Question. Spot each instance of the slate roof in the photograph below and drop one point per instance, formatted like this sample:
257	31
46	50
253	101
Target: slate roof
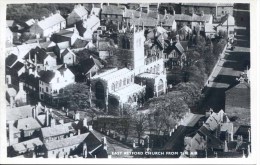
10	23
65	32
80	11
57	130
192	18
86	65
40	55
112	10
10	60
192	119
66	51
63	45
47	44
207	4
46	76
11	92
242	130
79	43
175	46
66	142
19	113
27	124
17	66
29	79
214	141
51	21
27	145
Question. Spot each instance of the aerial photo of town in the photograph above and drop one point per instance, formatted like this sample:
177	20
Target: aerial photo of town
128	80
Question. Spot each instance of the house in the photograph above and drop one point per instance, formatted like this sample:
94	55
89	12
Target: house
85	145
68	57
60	47
90	67
95	11
111	13
216	9
46	27
30	22
21	96
48	46
64	35
21	50
175	55
237	99
29	127
57	132
31	84
52	82
41	59
9	36
79	13
227	23
105	49
214	133
10	96
92	23
28	149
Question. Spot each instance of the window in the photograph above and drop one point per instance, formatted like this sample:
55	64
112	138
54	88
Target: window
124	81
120	83
113	87
58	80
47	89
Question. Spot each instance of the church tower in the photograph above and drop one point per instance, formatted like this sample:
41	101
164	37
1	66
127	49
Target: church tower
131	44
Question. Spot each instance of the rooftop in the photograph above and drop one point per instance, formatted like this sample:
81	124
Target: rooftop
27	145
46	76
27	124
16	113
51	21
128	91
191	120
57	130
66	142
147	75
111	74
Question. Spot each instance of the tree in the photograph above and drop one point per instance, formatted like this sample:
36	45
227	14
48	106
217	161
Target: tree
75	96
140	124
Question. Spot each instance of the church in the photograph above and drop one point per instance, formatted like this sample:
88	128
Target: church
136	74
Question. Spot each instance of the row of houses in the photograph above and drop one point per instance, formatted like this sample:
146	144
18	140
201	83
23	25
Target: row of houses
35	131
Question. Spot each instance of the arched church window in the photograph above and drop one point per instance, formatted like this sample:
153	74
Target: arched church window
120	83
117	84
113	87
160	85
124	81
158	68
127	44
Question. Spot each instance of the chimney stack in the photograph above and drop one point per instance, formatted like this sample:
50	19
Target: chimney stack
47	117
33	112
104	140
85	151
53	122
11	133
20	86
85	122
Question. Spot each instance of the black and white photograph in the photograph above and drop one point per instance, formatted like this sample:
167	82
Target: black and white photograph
127	80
